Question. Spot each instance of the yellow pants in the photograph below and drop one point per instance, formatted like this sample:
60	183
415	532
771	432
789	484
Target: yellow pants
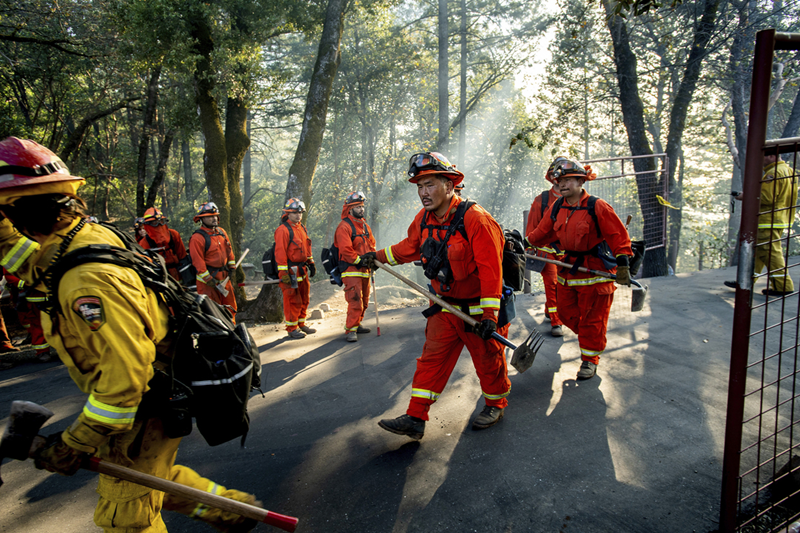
769	253
125	507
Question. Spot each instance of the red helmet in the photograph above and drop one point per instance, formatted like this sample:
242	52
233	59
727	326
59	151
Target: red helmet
27	169
425	163
208	209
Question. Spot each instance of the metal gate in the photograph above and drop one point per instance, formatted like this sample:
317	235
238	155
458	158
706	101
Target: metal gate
761	474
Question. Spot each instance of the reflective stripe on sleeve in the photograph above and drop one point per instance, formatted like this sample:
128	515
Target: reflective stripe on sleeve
283	267
18	254
490	303
202	508
108	414
390	256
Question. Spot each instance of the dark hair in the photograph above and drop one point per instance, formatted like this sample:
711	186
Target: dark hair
39	213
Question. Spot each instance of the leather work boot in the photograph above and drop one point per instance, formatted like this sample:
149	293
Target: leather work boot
352	336
307	329
297	334
588	370
404	425
556	331
731	284
490	416
362	330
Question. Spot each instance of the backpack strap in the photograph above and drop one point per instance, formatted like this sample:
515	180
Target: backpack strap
206	236
545	201
291	239
589	207
456	223
353	232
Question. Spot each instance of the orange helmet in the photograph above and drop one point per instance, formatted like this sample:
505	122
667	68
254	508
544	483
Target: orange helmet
208	209
28	169
425	163
293	205
568	168
354	199
154	217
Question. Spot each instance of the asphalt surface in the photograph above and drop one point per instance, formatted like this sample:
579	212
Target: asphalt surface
637	448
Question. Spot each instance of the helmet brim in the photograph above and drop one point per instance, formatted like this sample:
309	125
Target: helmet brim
456	177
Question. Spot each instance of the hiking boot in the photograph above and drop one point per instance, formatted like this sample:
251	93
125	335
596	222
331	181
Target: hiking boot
556	331
47	357
297	334
26	340
404	425
490	416
307	329
352	336
773	292
362	330
588	370
731	284
8	347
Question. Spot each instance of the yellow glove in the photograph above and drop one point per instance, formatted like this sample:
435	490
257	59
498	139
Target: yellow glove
286	279
623	276
58	457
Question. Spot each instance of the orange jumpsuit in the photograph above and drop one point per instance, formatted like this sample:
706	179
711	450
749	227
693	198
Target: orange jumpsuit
476	264
549	272
27	301
167	242
355	279
289	254
584	299
212	264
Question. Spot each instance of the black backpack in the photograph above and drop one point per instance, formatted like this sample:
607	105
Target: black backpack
331	262
213	365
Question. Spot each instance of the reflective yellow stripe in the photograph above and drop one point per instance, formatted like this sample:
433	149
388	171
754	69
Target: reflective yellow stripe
547	249
584	281
20	284
496	396
290	323
283	267
425	394
35	299
490	303
108	414
354	328
473	310
201	508
355	274
390	256
18	254
552	309
590	353
780	225
358	260
40	346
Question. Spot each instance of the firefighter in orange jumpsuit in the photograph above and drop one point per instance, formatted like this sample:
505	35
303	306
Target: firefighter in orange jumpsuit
107	333
470	277
160	238
295	265
138	228
212	257
548	270
27	302
584	299
354	238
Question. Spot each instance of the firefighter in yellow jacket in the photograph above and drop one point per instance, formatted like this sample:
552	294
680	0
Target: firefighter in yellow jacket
108	330
777	208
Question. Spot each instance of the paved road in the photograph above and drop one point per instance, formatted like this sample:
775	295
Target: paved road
638	448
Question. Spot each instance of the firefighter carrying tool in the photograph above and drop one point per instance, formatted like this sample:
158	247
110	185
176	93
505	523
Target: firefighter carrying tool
161	239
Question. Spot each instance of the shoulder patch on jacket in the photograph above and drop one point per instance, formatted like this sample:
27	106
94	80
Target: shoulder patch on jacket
90	309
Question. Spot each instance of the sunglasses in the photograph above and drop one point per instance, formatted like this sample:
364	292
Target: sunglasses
428	161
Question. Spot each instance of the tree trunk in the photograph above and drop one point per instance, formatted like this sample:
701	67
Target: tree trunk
247	164
187	168
462	127
655	263
148	127
237	143
675	219
161	170
444	78
301	174
680	108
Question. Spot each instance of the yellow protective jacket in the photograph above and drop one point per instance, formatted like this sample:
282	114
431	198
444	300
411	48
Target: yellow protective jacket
106	334
778	196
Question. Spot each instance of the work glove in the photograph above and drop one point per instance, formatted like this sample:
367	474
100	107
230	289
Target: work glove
485	328
57	456
368	260
211	282
285	278
623	271
312	269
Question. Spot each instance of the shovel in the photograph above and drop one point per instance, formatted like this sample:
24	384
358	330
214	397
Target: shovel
638	293
524	354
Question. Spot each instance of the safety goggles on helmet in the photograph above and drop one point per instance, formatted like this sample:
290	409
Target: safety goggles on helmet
208	209
567	167
556	161
154	217
355	197
429	161
137	223
53	167
459	187
294	205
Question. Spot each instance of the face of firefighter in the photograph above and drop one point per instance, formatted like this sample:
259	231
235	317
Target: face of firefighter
141	233
210	222
769	159
357	211
570	188
294	216
435	194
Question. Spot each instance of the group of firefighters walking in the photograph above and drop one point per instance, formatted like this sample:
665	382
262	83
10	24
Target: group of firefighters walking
105	306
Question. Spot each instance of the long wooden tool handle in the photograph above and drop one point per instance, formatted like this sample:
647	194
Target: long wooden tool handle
455	310
286	523
264	282
582	269
375	296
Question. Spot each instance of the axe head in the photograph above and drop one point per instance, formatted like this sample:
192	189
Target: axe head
24	422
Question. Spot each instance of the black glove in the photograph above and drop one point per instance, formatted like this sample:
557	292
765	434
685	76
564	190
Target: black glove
57	456
485	329
312	269
368	260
